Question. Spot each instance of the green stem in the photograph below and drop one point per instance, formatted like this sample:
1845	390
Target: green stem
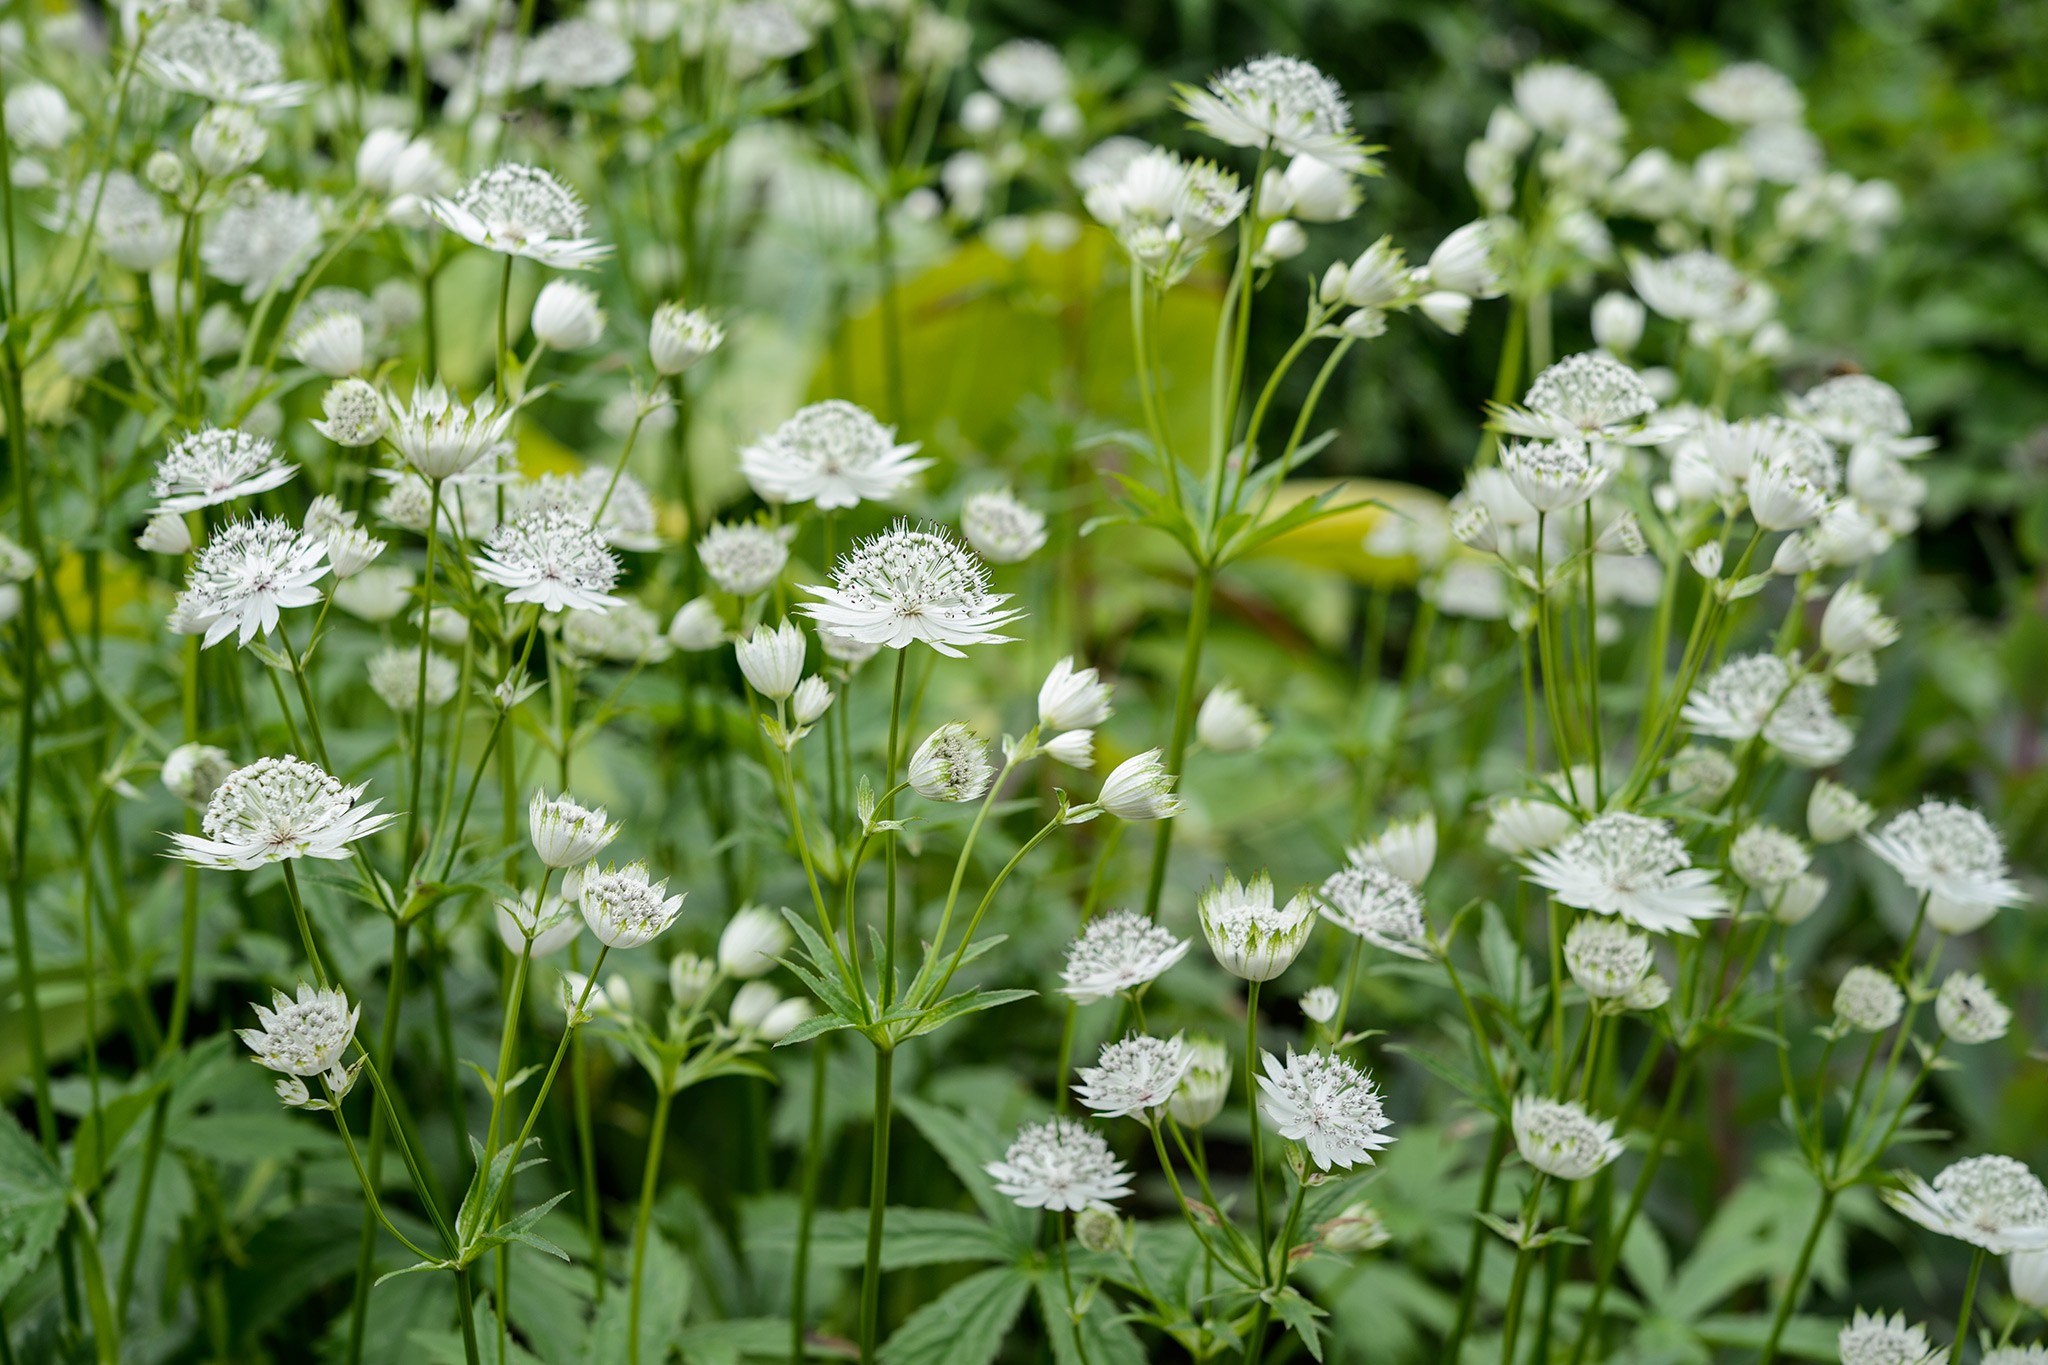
1475	1251
1795	1286
807	1203
1251	1113
419	700
1183	723
650	1176
878	1194
387	1047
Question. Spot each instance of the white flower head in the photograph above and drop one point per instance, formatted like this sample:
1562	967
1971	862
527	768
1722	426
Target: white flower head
626	634
1590	396
329	342
1617	323
1406	848
697	626
1379	907
352	414
440	436
1072	699
165	533
1062	1165
303	1036
1780	499
1868	1000
907	585
566	316
1278	102
1850	409
1855	623
519	210
1524	824
537	933
1562	1140
1700	775
1119	951
566	833
1251	935
396	165
1766	857
1326	1104
1134	1077
679	337
1699	287
196	53
1463	262
265	244
745	557
395	678
1969	1011
1992	1202
751	942
1633	866
1206	1086
1002	528
1739	698
1559	99
1320	1004
834	454
951	765
772	659
1553	476
245	577
553	557
1750	92
194	772
1228	723
624	906
1874	1339
1317	192
1606	958
38	117
1140	788
214	465
811	700
578	53
1027	73
1954	856
279	808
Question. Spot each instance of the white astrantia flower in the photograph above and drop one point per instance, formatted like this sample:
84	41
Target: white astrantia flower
353	414
1119	951
1868	1000
1562	1140
1617	323
279	808
1850	409
1874	1339
214	465
395	678
196	53
1969	1011
227	140
397	165
1560	100
552	558
1698	287
194	772
1406	848
38	117
1739	698
1553	476
1072	699
243	579
306	1035
519	210
1606	958
1134	1077
779	1022
566	833
951	765
1140	788
834	454
1228	723
1002	528
907	585
1251	935
1590	396
1329	1106
165	534
1992	1202
1855	623
679	337
330	343
750	1007
1316	192
1954	856
624	906
1377	906
439	436
1764	856
1026	72
578	53
1075	748
566	316
1805	728
1523	824
690	979
1633	866
811	700
538	934
1463	262
376	594
1699	775
1062	1165
1206	1086
772	659
751	942
1278	102
744	558
132	228
1781	500
626	634
758	32
1792	902
697	626
2028	1272
265	244
1750	92
1320	1004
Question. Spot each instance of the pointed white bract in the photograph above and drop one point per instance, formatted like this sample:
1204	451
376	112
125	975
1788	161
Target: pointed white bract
833	454
1135	1077
279	808
625	907
1119	951
904	586
1062	1165
1560	1139
1329	1106
1993	1202
1632	866
519	210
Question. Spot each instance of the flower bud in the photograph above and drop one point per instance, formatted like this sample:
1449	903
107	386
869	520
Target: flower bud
951	765
1358	1228
166	534
679	337
191	772
1617	323
165	173
564	833
1203	1090
772	659
751	942
566	316
1098	1229
1228	723
697	626
689	979
227	139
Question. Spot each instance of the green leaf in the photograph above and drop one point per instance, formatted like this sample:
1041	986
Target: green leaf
966	1325
967	1147
1299	1314
957	1006
1100	1338
737	1339
32	1202
664	1296
910	1237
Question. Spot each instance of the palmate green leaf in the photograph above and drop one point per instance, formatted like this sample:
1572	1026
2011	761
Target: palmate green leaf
812	1027
957	1006
413	1269
1300	1316
967	1146
966	1325
104	1132
1101	1337
520	1229
820	968
734	1340
664	1300
32	1202
1478	1091
910	1237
